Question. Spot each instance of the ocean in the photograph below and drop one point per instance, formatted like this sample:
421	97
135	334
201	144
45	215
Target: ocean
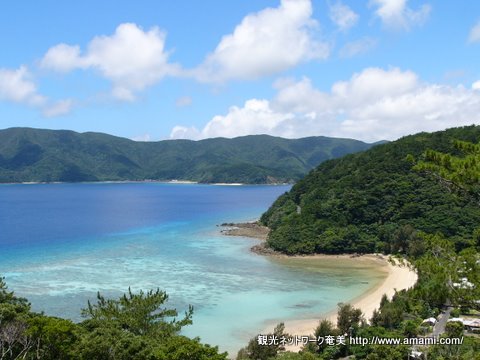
61	243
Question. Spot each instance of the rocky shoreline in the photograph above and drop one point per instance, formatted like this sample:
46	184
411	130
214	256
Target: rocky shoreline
257	231
251	230
248	229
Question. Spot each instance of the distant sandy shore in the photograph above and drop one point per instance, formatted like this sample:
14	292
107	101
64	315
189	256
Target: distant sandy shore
227	184
173	181
104	182
397	277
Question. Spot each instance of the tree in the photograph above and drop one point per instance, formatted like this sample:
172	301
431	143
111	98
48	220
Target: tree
389	315
458	173
133	327
183	348
14	311
54	338
138	327
410	328
9	298
139	314
324	328
258	350
469	350
14	343
111	343
382	352
437	270
348	318
454	329
402	238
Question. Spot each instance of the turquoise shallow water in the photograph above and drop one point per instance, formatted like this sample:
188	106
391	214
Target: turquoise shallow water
61	243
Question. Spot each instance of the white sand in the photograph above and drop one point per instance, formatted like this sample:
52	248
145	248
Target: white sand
180	182
228	184
398	277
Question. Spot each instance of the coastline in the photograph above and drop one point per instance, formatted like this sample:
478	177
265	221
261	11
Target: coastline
398	276
172	181
102	182
247	229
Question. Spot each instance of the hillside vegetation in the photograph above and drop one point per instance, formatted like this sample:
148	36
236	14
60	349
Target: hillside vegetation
28	155
376	200
416	198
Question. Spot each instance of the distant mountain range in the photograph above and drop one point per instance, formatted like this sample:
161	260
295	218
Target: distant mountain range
37	155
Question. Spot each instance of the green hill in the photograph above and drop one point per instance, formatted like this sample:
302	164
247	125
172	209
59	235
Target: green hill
57	155
375	201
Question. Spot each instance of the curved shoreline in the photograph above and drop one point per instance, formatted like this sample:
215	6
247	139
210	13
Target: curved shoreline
399	276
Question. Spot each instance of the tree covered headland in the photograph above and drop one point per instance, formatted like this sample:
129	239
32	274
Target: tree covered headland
416	198
375	201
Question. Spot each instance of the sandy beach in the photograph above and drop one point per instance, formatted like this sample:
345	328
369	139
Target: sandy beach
398	277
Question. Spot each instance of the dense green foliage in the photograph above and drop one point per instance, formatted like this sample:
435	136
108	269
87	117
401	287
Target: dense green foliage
50	155
439	268
426	210
416	197
375	201
460	173
264	351
136	326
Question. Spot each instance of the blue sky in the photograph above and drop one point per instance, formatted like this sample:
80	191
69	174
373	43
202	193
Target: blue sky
153	70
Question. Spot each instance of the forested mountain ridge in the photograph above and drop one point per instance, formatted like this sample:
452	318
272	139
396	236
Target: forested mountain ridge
375	201
37	155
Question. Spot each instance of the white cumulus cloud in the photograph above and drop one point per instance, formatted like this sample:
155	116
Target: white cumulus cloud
396	14
184	132
132	59
63	58
17	86
265	43
474	35
255	117
374	83
342	16
372	105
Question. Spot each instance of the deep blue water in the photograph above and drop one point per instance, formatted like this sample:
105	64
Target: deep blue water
52	213
61	243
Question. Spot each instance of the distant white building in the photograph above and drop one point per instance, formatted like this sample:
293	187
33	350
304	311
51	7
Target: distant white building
456	319
472	325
